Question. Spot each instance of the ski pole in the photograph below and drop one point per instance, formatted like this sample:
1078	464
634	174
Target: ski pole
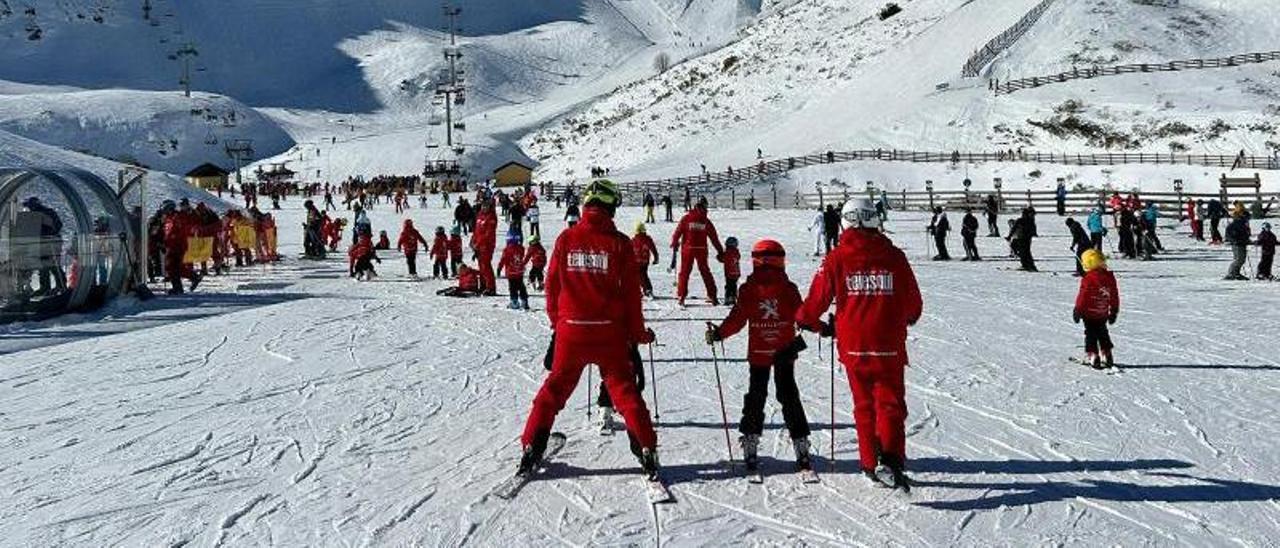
831	321
653	381
724	415
590	387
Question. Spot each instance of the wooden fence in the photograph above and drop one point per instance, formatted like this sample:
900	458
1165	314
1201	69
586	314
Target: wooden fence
1011	86
981	58
726	181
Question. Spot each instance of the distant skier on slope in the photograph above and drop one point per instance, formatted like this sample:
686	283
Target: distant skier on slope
1080	242
593	302
690	240
1097	304
1267	244
732	260
817	227
876	299
969	234
646	253
768	303
408	244
484	241
938	228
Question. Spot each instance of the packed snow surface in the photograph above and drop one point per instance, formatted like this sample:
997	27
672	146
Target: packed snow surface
290	405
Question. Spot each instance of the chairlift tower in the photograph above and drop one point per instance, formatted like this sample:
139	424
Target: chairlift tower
453	91
185	53
240	150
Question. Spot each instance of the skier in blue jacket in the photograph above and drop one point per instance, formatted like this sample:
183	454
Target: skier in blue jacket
1096	230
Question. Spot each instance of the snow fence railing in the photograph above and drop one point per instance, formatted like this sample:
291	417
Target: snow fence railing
983	57
1011	86
725	181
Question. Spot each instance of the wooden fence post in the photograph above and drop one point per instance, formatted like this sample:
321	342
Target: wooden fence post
733	198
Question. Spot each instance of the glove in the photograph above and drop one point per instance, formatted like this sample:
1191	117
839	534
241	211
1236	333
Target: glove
377	259
655	262
719	257
791	352
712	334
647	337
550	355
826	329
1111	320
1075	316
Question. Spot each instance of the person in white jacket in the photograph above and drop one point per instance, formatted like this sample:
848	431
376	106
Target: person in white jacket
819	235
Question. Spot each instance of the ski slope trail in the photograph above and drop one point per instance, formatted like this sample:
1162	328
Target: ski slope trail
344	413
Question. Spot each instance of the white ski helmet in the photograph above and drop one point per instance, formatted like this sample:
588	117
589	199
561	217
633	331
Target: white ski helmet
859	213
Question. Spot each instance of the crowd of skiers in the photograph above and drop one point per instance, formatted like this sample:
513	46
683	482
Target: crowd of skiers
187	243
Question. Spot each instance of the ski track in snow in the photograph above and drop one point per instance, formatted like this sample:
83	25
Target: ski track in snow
379	413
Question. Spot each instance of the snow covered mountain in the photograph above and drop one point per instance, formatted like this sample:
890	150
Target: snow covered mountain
823	75
570	85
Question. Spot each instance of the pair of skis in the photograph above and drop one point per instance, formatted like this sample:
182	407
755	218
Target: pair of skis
656	490
808	477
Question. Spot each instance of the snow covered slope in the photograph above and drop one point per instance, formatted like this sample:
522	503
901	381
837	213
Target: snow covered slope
321	411
160	130
824	75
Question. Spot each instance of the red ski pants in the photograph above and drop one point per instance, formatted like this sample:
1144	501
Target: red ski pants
879	410
619	378
487	278
687	258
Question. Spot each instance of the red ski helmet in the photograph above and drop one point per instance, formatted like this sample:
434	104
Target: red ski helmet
769	253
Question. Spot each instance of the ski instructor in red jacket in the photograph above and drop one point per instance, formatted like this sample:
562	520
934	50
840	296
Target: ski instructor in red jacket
876	299
690	238
484	241
593	302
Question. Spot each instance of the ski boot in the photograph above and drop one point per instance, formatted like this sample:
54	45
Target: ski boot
195	281
897	476
649	464
606	420
1109	362
533	454
524	304
750	449
801	445
1093	360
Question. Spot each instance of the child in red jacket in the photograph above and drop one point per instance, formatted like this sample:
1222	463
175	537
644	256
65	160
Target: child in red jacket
360	259
455	250
512	266
1097	305
645	251
537	262
732	270
468	284
768	305
408	243
440	255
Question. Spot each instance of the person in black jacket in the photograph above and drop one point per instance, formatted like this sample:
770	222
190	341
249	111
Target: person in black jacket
666	206
969	233
939	227
993	214
1238	238
1216	212
1267	244
831	226
52	277
1020	236
1080	242
462	215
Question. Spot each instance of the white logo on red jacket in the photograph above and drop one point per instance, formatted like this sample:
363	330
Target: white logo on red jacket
769	309
869	283
588	261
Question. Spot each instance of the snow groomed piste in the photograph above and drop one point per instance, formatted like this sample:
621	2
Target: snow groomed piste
292	405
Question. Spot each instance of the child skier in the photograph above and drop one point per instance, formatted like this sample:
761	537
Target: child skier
768	306
1097	305
408	243
731	259
537	261
360	259
512	264
384	242
468	284
455	250
440	255
646	251
1267	242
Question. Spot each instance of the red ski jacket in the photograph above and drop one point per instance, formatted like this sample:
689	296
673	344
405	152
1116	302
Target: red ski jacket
177	228
440	248
484	239
593	289
455	247
876	298
694	231
768	302
468	279
512	261
644	249
732	264
409	238
1099	297
537	255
